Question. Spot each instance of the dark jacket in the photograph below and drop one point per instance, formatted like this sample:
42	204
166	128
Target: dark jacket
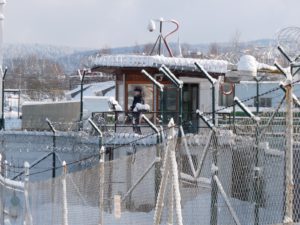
137	99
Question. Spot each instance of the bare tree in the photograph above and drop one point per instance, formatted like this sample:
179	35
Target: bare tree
136	48
185	49
37	75
147	48
236	42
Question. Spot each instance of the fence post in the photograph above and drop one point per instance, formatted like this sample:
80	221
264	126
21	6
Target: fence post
175	178
171	202
257	176
102	152
213	83
5	168
65	199
214	170
1	200
28	217
53	147
214	186
164	179
289	184
102	182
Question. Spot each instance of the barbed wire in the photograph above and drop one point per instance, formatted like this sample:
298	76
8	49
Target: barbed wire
143	137
250	98
95	155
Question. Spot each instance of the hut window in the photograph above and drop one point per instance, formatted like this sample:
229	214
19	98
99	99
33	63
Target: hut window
147	93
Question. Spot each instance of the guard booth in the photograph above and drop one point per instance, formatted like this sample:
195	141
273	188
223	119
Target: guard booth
196	92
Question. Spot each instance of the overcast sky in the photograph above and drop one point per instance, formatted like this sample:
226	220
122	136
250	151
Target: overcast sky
96	23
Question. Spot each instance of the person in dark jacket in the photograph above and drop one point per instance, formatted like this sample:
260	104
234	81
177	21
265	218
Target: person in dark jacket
138	98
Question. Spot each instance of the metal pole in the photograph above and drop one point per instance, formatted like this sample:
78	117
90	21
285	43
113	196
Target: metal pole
179	85
19	99
257	177
54	156
160	36
180	105
166	167
65	199
213	82
214	170
102	183
81	99
98	131
257	96
28	217
234	109
227	201
53	147
2	3
161	89
162	107
289	183
3	89
1	189
2	115
289	179
213	89
102	152
81	105
214	186
140	179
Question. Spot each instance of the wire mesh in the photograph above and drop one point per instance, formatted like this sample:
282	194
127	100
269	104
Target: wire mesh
83	193
250	161
12	205
232	174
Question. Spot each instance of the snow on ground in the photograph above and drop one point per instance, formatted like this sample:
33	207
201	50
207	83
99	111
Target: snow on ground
111	93
13	124
193	211
12	113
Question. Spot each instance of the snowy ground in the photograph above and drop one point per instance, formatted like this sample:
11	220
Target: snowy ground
193	211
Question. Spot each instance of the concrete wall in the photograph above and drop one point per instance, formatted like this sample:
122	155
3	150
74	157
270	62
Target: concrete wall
35	114
19	146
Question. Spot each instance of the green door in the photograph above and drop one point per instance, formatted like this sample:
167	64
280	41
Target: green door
190	105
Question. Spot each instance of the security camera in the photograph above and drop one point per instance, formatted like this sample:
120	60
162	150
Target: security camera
151	26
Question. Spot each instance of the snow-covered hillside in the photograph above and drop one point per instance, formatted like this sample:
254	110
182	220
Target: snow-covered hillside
70	59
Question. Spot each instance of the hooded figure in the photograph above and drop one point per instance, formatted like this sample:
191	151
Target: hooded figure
138	98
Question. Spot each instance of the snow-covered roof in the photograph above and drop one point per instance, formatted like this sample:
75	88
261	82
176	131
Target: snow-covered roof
214	66
94	89
47	102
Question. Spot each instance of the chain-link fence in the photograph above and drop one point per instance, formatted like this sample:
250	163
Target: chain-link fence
225	175
241	172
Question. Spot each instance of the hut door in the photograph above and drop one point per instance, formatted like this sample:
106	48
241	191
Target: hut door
170	103
190	105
